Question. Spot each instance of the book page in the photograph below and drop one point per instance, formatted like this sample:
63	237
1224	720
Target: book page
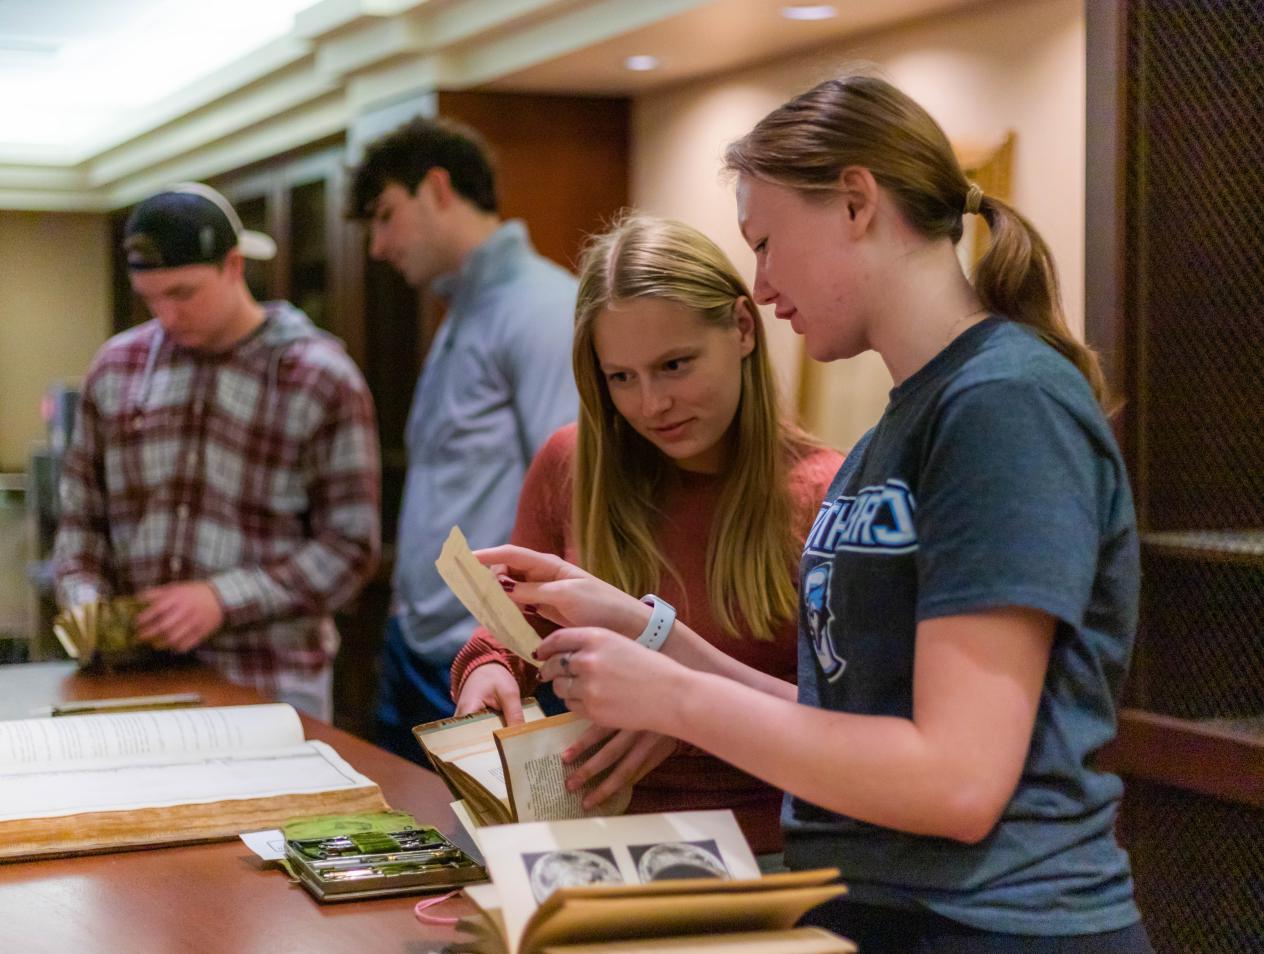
70	788
447	735
532	756
527	862
482	765
129	738
476	587
691	911
793	941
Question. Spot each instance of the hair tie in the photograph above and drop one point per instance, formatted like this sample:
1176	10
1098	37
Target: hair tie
420	910
974	198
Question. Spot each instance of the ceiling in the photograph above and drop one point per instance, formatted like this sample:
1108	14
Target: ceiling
76	76
102	101
709	38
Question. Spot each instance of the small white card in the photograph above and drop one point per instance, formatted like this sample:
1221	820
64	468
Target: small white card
268	845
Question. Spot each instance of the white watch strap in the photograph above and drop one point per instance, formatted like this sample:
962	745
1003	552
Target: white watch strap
661	622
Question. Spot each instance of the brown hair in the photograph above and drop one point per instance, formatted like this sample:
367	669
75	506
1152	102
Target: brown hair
619	474
862	120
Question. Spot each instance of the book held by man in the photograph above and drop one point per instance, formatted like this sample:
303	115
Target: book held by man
640	883
130	779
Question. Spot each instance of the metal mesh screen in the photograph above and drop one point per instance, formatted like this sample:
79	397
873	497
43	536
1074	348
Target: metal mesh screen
1196	246
1197	864
1194	194
1201	654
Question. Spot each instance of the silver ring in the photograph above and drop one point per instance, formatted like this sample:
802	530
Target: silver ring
565	662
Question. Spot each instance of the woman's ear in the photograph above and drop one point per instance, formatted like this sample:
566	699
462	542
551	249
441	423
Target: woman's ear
858	191
745	317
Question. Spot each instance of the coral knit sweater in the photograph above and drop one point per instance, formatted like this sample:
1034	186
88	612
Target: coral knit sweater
689	779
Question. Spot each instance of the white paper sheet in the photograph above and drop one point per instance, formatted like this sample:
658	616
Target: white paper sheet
134	737
70	789
268	844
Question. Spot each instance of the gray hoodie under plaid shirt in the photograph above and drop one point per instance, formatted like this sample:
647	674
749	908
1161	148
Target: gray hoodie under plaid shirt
255	470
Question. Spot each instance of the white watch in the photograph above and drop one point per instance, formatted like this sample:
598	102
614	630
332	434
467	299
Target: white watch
661	622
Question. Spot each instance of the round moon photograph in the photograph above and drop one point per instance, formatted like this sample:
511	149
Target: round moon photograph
564	869
679	859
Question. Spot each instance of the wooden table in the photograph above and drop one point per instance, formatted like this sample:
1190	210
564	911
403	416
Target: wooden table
210	897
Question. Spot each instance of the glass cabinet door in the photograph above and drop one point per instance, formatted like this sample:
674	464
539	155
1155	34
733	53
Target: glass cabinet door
309	259
260	276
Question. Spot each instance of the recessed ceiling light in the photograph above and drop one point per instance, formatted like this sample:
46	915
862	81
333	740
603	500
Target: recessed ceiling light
641	62
809	11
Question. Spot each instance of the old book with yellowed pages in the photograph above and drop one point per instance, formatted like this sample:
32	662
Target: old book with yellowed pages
89	783
512	773
675	881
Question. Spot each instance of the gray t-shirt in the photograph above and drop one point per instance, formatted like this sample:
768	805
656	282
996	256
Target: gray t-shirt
991	480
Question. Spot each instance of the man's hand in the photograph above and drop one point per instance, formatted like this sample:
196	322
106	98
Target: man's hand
179	616
491	686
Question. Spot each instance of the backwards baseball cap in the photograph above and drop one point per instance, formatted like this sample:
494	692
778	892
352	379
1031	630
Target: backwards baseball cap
188	224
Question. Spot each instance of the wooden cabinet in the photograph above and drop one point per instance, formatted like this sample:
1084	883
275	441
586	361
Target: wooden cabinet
1174	264
299	200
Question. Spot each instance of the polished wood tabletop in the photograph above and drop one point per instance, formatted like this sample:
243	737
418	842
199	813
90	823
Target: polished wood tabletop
203	898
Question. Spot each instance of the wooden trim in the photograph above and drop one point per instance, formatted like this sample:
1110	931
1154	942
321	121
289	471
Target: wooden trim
1108	326
1210	757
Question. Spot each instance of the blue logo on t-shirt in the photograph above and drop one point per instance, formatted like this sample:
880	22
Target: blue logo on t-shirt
816	589
876	520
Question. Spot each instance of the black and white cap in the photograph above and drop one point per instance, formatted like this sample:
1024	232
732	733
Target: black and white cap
188	224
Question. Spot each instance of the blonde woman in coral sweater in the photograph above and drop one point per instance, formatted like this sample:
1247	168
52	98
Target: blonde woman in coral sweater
681	479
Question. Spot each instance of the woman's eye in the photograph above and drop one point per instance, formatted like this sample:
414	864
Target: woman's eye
760	246
617	377
676	364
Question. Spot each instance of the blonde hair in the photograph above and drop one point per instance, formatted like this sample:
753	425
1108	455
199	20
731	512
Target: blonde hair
861	120
619	475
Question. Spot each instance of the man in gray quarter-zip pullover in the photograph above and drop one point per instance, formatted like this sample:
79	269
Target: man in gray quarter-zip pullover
496	383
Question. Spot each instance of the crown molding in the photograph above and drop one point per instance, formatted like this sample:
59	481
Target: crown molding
342	59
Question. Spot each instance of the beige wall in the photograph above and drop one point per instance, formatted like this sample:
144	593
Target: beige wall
1017	64
54	314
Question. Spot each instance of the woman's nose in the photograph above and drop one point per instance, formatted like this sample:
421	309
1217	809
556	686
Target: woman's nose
654	400
762	289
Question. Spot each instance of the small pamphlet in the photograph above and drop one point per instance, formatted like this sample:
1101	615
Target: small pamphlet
476	587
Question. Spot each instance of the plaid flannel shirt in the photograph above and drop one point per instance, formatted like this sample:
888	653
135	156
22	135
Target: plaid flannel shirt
255	470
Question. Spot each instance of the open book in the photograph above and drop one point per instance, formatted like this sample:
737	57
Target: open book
511	773
104	782
640	883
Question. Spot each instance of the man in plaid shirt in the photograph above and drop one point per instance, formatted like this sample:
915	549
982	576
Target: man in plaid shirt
224	464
